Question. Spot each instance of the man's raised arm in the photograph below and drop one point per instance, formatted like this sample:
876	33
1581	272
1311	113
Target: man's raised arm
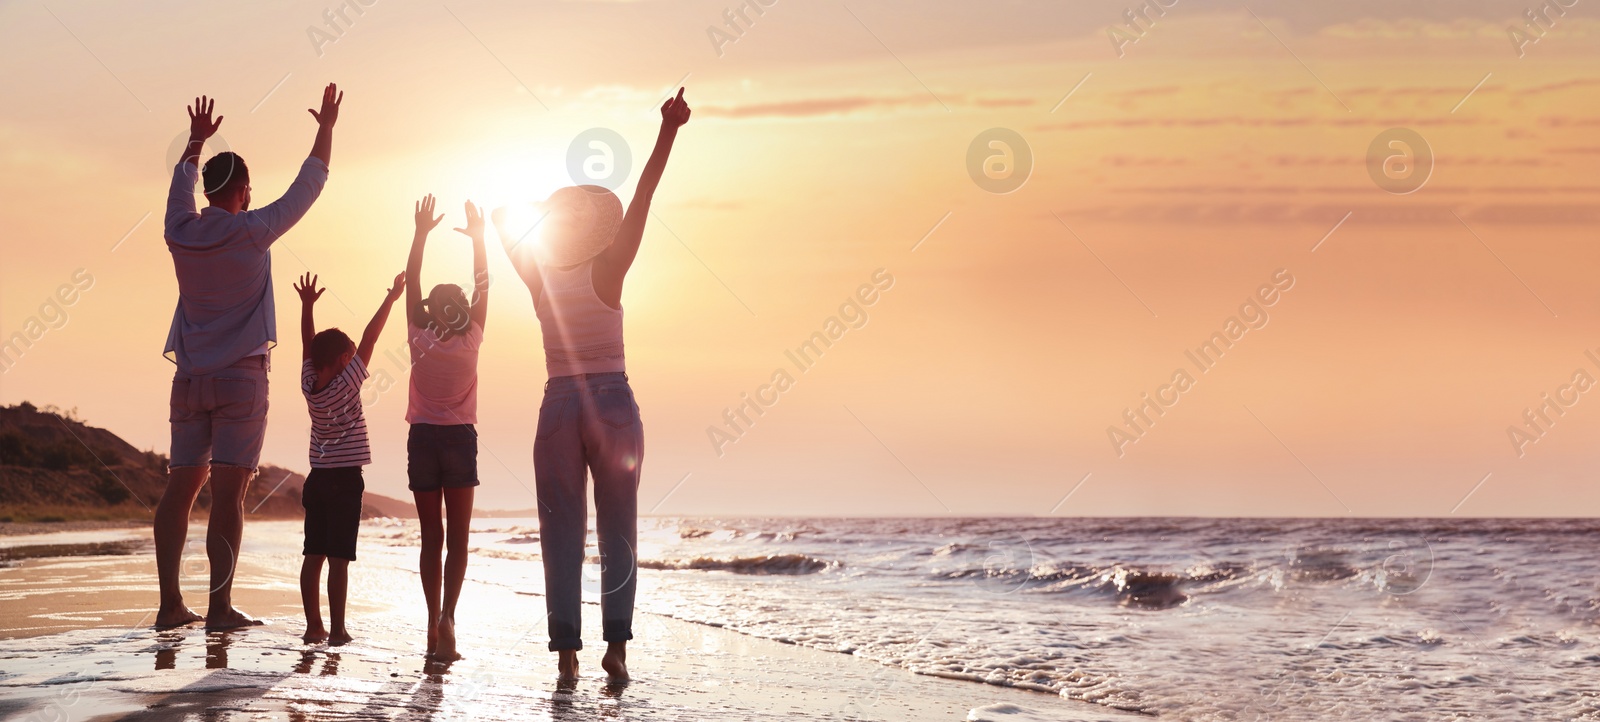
322	147
277	217
180	197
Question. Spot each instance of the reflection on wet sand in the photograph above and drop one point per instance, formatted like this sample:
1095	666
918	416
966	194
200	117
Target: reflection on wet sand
217	644
429	694
308	659
167	642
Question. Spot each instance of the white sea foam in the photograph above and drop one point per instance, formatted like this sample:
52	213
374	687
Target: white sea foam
1006	712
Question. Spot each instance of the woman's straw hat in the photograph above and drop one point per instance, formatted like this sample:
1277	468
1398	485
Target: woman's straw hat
579	223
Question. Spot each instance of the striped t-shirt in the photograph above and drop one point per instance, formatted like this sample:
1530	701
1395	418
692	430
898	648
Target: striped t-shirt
338	427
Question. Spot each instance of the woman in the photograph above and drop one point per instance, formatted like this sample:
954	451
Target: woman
588	421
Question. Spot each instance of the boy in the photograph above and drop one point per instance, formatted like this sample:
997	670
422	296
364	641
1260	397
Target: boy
331	377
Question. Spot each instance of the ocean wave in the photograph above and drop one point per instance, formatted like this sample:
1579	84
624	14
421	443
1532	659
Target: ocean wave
787	564
512	530
1131	586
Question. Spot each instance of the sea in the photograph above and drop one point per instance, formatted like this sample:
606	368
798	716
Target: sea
1178	618
1173	618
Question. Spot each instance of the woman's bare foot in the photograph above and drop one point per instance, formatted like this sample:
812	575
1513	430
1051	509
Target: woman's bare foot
567	664
615	663
169	618
230	619
445	649
339	637
314	636
433	638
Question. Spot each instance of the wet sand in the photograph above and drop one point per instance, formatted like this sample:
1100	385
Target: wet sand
77	645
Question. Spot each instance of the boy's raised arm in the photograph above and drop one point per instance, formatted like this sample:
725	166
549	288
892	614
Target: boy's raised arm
425	221
309	293
619	255
369	337
480	264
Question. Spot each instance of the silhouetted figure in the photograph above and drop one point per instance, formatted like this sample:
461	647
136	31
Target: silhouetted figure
588	421
222	334
332	368
444	332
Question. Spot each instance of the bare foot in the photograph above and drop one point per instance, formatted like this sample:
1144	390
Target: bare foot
230	619
314	636
433	638
169	618
567	665
445	650
339	637
615	663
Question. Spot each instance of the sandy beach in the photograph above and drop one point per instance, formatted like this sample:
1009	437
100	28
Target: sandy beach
77	646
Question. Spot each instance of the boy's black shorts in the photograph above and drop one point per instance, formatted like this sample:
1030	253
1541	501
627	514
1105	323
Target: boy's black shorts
332	498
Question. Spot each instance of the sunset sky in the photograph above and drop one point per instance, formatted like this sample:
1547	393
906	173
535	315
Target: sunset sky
1168	184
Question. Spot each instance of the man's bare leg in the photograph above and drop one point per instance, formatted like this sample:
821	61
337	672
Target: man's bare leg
224	533
428	560
615	663
458	513
172	532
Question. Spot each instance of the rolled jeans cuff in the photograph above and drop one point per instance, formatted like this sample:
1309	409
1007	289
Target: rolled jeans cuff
617	630
564	636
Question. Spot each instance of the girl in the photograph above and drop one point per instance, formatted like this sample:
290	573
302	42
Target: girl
445	332
588	420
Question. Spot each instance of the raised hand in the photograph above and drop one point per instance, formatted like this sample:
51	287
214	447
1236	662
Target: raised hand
425	219
307	288
331	98
675	112
474	229
201	126
398	288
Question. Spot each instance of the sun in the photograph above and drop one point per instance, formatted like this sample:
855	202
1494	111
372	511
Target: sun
510	182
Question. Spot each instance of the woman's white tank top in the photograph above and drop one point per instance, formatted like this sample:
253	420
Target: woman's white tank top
582	335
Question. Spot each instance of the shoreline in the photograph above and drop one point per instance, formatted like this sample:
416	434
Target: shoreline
32	528
58	626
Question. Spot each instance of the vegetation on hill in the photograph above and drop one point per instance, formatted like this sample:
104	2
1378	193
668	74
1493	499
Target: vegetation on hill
54	467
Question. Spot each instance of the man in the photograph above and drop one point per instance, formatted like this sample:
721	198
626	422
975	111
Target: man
222	332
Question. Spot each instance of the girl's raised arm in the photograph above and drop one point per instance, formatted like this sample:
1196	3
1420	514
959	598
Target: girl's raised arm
480	265
425	223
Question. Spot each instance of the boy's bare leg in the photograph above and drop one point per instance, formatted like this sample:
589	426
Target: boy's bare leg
311	597
428	563
458	510
338	582
224	533
172	532
615	663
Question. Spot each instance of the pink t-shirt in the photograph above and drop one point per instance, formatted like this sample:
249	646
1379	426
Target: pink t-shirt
444	377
